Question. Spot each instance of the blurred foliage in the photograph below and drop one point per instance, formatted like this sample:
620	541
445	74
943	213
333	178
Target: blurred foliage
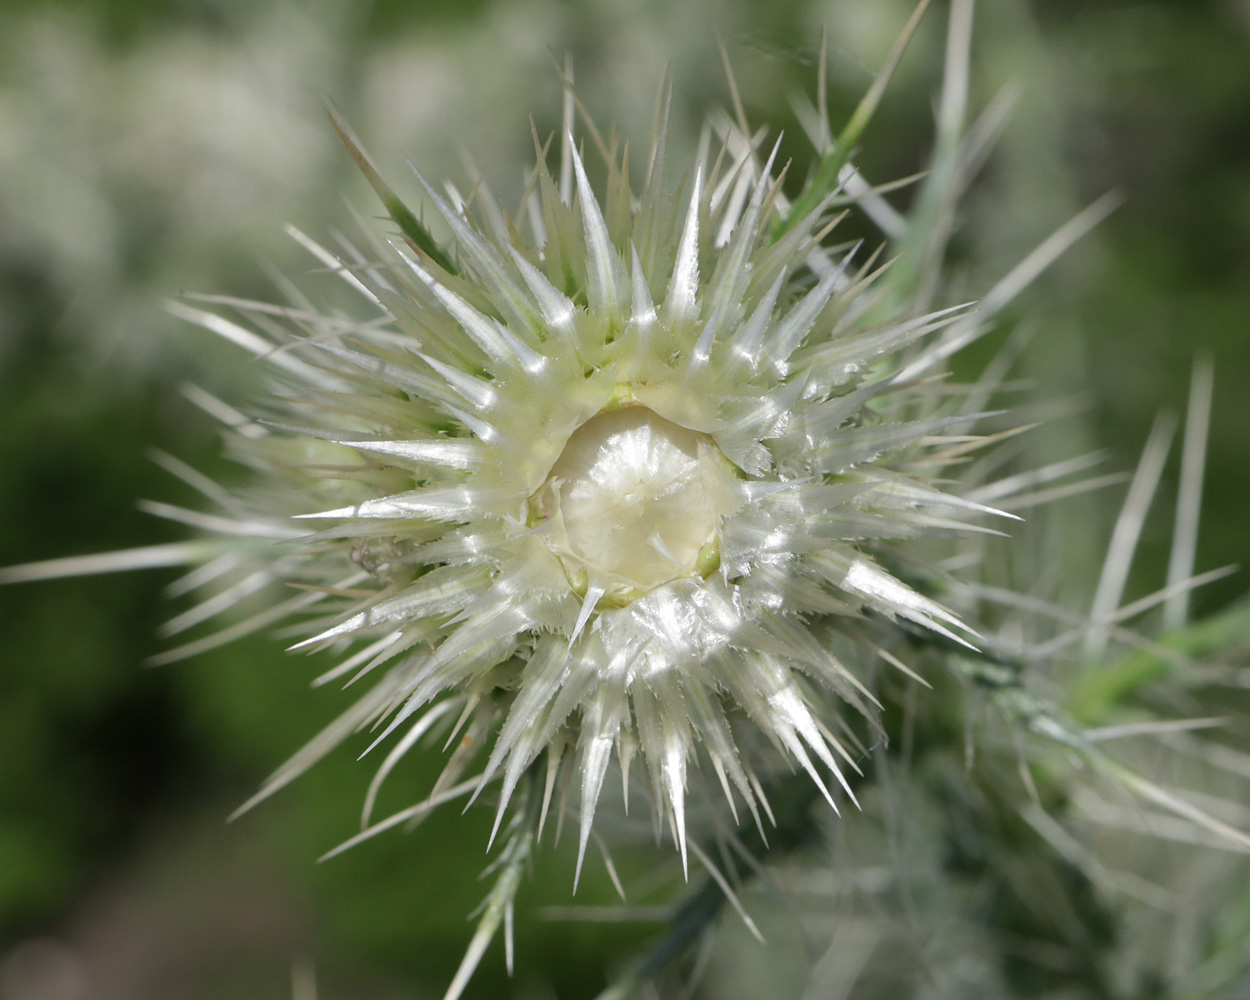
149	147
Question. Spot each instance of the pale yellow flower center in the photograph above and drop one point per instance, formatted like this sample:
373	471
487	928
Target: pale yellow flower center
633	502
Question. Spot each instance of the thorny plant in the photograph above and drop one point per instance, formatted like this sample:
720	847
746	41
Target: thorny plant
665	475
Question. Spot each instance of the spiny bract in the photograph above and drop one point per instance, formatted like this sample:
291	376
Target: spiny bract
607	488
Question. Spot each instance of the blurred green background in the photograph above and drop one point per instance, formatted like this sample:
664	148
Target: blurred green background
151	147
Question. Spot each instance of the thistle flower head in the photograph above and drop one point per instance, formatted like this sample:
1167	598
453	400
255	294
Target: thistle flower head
610	472
607	479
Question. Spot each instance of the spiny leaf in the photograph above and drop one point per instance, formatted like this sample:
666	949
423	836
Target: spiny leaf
831	164
408	223
1099	691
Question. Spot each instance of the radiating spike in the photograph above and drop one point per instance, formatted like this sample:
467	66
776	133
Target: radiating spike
146	557
321	744
709	721
1019	278
557	309
356	659
749	339
659	133
701	353
438	504
480	393
642	317
409	815
681	302
794	744
594	767
438	592
1189	499
419	729
727	889
223	412
789	705
497	342
861	577
255	527
593	592
732	272
223	601
1059	642
455	453
252	343
540	683
798	322
555	756
262	619
199	482
567	152
202	575
601	721
626	749
486	259
675	785
1124	536
332	262
604	276
481	429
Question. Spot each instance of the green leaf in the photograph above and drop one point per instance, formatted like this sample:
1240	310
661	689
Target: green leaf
408	223
826	180
1100	690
